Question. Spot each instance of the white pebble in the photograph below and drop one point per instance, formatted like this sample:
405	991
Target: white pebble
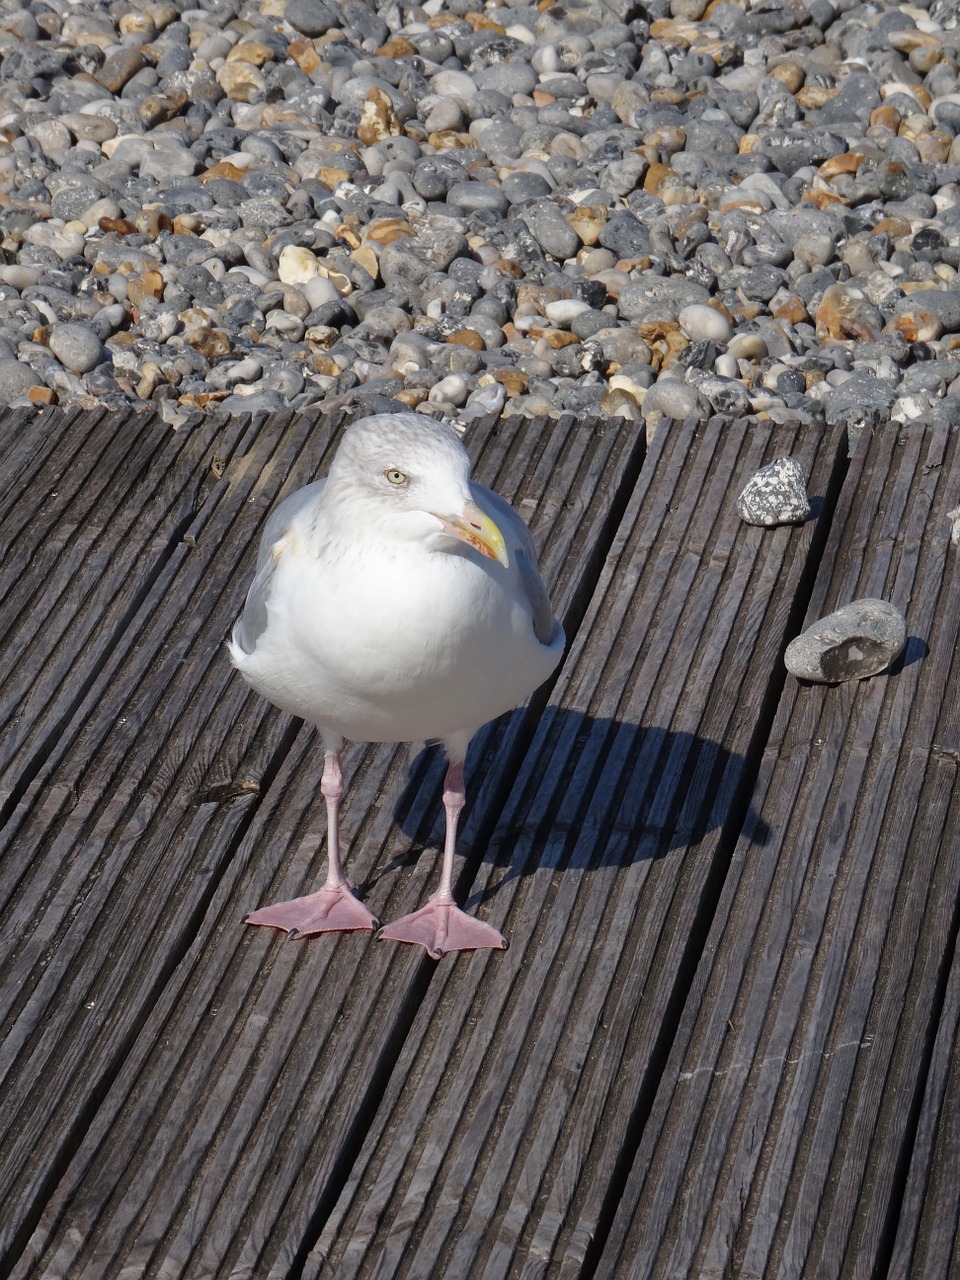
564	310
702	323
453	389
54	235
450	83
297	265
319	291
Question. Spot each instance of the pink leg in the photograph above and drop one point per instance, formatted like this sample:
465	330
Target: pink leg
441	926
332	908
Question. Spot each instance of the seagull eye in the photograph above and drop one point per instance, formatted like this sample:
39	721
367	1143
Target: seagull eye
395	476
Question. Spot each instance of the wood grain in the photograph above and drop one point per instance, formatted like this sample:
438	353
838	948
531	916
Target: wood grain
200	1083
785	1112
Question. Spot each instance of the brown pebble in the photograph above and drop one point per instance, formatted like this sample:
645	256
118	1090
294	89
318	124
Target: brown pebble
383	231
588	222
918	325
148	285
251	51
557	339
620	403
443	139
224	169
509	267
398	47
924	60
326	365
888	116
153	222
850	162
119	226
745	311
911	38
468	338
824	199
411	396
305	55
665	339
158	108
654	178
812	96
678	31
364	257
844	313
378	120
330	176
513	381
934	146
895	227
118	68
241	81
792	309
211	343
790	74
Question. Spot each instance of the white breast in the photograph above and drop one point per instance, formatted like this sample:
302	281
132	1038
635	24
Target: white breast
408	644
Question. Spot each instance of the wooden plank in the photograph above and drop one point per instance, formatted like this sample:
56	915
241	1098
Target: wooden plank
927	1244
28	437
113	849
784	1118
509	1111
253	1066
86	533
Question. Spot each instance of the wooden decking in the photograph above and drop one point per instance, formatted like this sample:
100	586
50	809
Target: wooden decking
725	1040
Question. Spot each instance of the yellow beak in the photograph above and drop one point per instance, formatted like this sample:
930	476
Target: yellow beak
477	530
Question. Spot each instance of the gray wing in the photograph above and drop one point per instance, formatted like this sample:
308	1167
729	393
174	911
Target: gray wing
523	555
253	620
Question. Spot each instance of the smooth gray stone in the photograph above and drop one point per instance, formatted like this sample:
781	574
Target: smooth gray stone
861	639
76	346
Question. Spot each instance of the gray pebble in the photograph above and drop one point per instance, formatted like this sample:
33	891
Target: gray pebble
407	262
858	640
16	379
626	236
471	196
551	230
522	186
465	192
671	398
726	395
76	346
943	303
311	17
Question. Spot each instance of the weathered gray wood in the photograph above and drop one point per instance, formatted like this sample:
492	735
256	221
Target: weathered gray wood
228	1076
510	1109
785	1114
112	849
29	437
927	1245
88	531
770	1024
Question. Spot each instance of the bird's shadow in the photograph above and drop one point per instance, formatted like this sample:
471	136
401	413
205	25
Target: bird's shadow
579	792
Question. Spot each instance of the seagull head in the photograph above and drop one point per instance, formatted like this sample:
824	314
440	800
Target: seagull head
409	476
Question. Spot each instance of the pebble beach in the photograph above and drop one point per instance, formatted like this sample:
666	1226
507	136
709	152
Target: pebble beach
639	211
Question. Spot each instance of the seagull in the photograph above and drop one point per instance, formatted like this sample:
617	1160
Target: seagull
395	601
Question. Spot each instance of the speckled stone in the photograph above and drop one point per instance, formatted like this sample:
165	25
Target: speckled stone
775	495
